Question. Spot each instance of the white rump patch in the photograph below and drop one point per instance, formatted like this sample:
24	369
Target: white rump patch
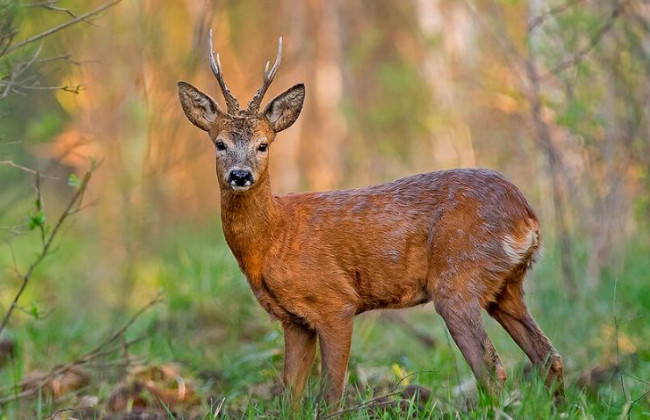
516	250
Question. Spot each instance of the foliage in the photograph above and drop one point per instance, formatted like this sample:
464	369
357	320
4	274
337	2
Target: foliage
553	94
227	348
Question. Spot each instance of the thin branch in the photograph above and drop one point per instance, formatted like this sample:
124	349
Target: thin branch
103	349
62	26
555	166
39	207
157	300
55	415
76	89
37	316
14	267
84	207
632	403
398	318
37	384
512	56
17	166
593	43
47	243
633	376
413	374
17	71
555	11
50	5
618	349
7	39
374	402
64	57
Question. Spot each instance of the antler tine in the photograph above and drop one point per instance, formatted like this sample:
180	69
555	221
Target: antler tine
231	101
269	75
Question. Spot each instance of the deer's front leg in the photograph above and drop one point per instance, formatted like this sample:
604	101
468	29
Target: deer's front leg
299	351
335	338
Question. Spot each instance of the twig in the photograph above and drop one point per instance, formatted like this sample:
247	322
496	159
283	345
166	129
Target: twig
397	318
558	10
73	204
39	207
37	384
633	376
158	299
76	89
555	169
60	411
17	71
10	83
84	207
17	166
618	349
64	25
593	43
38	316
50	5
218	409
500	413
627	413
105	348
7	39
367	404
512	56
413	374
13	254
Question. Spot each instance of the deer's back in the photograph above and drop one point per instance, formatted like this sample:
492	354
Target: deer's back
478	198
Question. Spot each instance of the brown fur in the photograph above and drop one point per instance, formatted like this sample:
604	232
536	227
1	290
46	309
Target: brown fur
463	239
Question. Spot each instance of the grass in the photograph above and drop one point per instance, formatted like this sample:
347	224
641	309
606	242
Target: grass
210	326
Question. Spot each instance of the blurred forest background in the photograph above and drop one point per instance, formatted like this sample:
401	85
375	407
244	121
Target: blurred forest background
552	93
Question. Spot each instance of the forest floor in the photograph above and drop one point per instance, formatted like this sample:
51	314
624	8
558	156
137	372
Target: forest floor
179	335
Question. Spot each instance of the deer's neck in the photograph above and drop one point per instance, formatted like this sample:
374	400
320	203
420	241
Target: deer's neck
249	220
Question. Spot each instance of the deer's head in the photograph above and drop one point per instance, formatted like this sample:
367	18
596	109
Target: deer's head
241	137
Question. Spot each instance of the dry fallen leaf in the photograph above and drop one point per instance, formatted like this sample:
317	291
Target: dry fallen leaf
56	385
418	393
153	387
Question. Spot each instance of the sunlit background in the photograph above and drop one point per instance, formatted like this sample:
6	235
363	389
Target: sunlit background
552	94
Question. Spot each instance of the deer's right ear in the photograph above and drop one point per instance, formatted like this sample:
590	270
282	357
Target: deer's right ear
200	109
285	108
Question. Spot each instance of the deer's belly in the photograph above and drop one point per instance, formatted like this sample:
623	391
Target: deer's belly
392	291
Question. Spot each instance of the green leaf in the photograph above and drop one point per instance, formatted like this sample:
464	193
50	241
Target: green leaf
74	181
36	219
34	310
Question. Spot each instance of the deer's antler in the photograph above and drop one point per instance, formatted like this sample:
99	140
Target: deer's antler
254	104
231	101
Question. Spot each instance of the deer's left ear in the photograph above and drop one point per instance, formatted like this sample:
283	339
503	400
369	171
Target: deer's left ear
283	111
200	109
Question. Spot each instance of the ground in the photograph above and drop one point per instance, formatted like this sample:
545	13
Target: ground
208	351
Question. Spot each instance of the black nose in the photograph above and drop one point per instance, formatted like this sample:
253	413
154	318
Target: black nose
240	178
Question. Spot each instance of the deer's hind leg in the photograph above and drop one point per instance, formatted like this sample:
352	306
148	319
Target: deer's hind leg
509	309
462	315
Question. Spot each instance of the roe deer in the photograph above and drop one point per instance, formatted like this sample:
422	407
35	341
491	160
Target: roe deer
463	239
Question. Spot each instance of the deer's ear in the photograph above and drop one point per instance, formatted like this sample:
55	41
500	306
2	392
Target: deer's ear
283	111
200	109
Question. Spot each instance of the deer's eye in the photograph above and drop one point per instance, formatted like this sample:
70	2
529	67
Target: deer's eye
221	146
263	147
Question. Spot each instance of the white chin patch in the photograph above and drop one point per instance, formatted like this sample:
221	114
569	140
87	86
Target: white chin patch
244	187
